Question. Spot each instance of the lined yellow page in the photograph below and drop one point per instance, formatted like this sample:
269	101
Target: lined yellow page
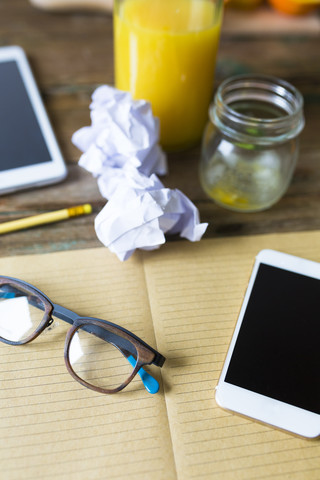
51	427
195	292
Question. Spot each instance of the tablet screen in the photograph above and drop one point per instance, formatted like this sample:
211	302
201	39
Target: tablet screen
277	351
21	139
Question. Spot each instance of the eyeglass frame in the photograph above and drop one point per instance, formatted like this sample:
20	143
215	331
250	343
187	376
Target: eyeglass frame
146	355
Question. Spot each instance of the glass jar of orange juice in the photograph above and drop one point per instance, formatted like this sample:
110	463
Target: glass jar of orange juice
165	53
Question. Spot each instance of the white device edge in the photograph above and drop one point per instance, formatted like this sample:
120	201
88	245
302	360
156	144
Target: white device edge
253	405
38	174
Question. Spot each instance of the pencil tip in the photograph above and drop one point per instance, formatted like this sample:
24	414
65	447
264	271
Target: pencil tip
87	208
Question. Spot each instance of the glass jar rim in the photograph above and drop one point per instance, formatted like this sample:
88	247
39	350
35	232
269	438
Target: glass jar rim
264	88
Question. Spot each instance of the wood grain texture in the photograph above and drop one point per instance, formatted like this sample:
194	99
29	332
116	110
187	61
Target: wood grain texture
67	5
71	53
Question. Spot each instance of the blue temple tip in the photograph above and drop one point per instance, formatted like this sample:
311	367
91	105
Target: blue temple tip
7	295
150	383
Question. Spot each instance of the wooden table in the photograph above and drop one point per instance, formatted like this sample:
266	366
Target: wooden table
71	54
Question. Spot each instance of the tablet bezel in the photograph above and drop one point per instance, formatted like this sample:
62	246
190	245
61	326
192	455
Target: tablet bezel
42	173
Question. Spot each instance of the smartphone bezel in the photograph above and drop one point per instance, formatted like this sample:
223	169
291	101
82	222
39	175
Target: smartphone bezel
254	405
36	174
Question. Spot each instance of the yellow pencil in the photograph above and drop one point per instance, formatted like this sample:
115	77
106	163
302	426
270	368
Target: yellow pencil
44	218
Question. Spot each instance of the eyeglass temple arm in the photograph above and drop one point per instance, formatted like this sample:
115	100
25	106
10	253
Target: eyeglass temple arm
150	383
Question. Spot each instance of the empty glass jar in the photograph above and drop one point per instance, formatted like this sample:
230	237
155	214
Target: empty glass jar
250	145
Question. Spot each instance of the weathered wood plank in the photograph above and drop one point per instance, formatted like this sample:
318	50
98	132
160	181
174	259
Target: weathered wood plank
72	53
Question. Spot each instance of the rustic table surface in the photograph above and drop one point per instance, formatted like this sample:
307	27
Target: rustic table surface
71	53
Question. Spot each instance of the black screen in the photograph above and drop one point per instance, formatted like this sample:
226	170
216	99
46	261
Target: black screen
277	353
21	140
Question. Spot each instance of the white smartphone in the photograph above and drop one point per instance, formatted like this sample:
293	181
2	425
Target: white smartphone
29	153
272	369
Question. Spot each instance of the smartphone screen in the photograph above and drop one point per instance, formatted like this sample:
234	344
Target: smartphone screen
277	352
21	140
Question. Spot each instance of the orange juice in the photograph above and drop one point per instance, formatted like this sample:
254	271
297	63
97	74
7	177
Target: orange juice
165	53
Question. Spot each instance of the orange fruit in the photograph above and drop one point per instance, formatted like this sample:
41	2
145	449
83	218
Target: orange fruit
292	7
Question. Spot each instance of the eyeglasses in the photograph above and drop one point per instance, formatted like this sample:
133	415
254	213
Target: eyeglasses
100	355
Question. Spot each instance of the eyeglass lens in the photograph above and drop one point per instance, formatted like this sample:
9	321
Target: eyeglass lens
99	362
20	313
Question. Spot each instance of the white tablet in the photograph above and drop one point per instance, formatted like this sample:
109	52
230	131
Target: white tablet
29	153
272	369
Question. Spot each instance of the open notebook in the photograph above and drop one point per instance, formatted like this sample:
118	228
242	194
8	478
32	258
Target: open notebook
184	300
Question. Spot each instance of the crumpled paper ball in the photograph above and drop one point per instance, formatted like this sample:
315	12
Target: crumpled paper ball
141	211
122	131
